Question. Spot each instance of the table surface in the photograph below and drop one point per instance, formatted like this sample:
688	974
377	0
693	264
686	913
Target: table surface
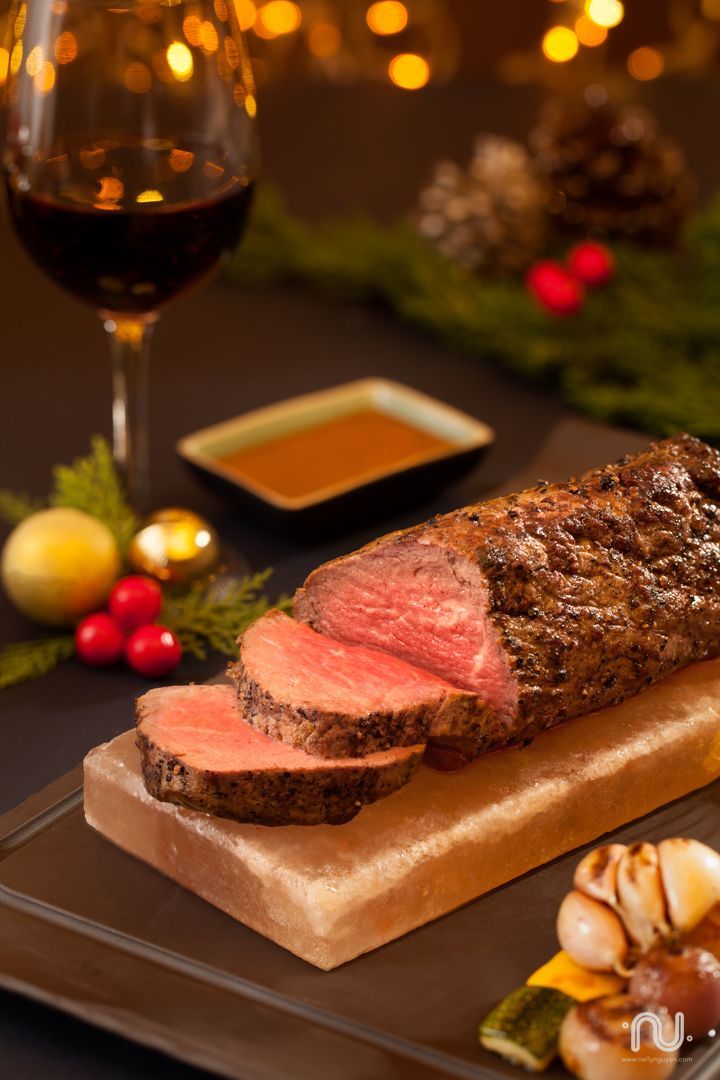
221	352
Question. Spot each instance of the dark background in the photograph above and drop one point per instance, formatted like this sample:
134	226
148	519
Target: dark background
222	351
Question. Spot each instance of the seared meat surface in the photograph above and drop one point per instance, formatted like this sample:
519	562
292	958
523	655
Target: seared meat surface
550	603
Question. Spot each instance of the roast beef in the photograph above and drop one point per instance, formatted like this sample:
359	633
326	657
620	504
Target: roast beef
197	751
550	603
338	700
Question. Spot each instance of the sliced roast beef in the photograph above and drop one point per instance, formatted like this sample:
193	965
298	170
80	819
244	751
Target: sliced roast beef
338	700
547	604
197	751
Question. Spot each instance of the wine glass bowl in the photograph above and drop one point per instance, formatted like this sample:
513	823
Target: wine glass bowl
129	162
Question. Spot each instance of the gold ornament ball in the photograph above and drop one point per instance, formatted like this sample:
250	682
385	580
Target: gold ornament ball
59	565
175	546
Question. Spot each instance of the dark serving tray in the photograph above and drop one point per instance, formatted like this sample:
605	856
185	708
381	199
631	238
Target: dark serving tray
96	933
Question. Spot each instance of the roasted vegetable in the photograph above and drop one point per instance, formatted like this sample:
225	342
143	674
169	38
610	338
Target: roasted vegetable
524	1027
563	973
685	979
592	933
595	1041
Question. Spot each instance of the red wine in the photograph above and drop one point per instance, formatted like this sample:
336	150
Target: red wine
127	224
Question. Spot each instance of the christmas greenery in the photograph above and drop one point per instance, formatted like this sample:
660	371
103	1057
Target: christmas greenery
28	659
645	351
91	484
206	616
211	616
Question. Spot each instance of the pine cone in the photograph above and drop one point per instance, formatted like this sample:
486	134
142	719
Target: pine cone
489	217
609	171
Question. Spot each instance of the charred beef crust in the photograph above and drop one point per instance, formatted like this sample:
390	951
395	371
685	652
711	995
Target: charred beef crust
319	796
332	734
600	586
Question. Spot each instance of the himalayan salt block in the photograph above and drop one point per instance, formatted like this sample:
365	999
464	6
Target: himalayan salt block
329	893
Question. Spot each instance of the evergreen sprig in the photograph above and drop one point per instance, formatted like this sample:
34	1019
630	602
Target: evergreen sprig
644	351
26	660
92	484
212	616
15	506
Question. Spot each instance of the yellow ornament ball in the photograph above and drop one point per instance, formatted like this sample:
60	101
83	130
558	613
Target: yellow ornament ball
176	546
59	565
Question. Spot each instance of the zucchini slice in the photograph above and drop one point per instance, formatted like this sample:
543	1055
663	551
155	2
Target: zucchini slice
524	1027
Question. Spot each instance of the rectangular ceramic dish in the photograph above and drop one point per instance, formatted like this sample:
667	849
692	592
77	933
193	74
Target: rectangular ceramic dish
394	487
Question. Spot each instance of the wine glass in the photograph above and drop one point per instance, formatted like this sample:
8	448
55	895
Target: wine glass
129	162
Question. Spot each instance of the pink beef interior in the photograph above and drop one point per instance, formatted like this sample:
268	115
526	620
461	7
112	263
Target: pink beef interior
422	603
202	726
309	669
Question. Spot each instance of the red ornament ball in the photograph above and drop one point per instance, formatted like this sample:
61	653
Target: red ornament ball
135	601
99	640
593	263
555	288
153	651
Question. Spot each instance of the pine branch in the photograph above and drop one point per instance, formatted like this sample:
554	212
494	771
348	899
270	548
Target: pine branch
92	484
644	351
211	617
29	659
15	506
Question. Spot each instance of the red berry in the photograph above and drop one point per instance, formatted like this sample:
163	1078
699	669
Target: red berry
153	651
593	263
555	288
99	640
135	601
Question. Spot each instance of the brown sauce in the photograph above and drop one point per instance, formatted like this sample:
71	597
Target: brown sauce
349	449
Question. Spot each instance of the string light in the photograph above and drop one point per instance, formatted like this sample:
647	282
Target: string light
180	61
387	17
560	44
606	13
409	71
589	33
646	63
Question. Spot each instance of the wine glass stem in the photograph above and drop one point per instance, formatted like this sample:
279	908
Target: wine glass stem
130	347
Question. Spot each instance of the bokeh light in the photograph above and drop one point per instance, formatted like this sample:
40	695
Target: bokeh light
387	17
181	160
4	65
646	63
589	33
250	106
66	48
324	40
20	20
45	78
191	29
221	10
246	13
35	60
605	12
152	195
16	57
409	71
208	37
180	61
560	44
137	78
110	192
231	53
277	17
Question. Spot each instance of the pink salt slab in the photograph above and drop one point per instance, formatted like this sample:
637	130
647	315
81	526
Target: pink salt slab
329	893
